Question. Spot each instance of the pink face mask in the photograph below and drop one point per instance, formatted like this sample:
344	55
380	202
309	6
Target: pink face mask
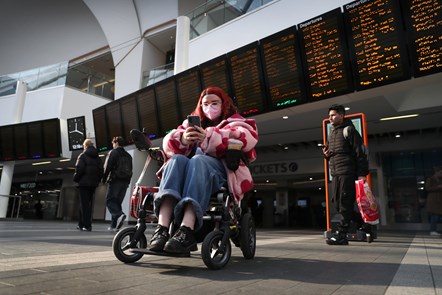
212	111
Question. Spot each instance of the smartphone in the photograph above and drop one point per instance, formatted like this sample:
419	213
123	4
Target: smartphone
194	120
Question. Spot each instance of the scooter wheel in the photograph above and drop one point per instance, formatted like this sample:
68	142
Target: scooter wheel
214	254
121	245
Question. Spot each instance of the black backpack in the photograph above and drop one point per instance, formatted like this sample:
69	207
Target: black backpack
124	166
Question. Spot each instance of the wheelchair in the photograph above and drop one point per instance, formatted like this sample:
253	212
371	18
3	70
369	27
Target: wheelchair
224	222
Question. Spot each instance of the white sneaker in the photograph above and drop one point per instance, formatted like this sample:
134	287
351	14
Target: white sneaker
120	220
112	229
435	233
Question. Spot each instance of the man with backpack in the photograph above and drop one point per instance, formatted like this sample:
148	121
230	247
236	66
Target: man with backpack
117	173
347	157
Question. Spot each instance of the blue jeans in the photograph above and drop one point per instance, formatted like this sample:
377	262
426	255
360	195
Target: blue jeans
114	197
190	181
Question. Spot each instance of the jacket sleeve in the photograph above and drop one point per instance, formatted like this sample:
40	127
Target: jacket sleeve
172	142
109	164
80	167
359	151
235	127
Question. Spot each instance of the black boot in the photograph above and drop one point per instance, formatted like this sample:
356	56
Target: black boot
159	238
340	236
182	242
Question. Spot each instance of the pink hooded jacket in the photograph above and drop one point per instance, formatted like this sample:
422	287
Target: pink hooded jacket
215	144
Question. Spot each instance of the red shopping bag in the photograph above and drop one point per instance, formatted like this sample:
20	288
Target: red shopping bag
366	203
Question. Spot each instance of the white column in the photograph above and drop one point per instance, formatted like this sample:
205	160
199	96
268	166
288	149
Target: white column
5	186
182	44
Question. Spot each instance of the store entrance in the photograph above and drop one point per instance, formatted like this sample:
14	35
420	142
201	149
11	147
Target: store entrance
39	200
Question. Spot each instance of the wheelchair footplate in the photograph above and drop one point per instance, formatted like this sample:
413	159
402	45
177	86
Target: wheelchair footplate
159	253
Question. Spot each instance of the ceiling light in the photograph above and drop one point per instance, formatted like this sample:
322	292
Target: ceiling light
286	147
397	135
41	163
398	117
347	108
285	117
64	160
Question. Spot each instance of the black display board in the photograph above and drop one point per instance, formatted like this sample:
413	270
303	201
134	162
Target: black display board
147	110
376	42
282	68
35	135
32	140
114	121
216	73
129	113
102	138
247	79
21	141
188	89
168	110
7	143
325	56
423	20
51	138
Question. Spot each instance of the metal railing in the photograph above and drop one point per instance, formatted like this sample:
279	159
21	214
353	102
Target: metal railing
15	210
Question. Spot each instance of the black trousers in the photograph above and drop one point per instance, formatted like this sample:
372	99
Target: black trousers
344	196
86	199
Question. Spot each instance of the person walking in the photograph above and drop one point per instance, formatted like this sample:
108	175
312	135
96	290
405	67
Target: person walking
433	186
348	162
117	173
88	173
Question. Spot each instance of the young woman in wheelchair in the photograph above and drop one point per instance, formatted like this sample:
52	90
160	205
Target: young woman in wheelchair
199	161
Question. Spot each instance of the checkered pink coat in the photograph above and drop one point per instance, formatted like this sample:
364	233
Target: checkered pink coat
215	144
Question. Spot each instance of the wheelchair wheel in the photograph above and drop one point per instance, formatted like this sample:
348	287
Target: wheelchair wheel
121	245
214	256
248	236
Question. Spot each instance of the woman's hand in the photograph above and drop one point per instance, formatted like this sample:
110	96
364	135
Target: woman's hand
193	134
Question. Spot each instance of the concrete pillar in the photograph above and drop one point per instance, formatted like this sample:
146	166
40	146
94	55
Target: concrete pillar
182	44
5	186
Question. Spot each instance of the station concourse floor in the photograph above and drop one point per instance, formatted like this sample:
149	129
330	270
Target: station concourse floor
52	257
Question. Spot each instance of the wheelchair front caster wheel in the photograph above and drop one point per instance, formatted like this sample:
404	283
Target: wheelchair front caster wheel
215	255
121	245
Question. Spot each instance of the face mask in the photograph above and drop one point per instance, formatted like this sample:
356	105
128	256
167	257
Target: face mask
212	111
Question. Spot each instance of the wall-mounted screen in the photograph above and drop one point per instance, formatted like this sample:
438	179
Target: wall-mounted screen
188	89
51	138
283	69
376	42
114	122
148	112
215	73
102	138
423	20
129	115
325	56
35	135
168	110
7	143
32	140
21	141
76	132
247	79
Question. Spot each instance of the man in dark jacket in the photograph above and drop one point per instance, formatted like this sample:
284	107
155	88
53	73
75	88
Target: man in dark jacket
348	162
117	188
88	173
